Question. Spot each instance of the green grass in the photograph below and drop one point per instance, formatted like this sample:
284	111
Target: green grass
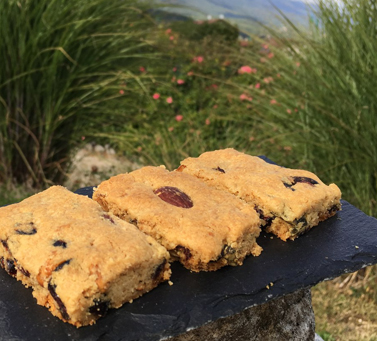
324	89
61	70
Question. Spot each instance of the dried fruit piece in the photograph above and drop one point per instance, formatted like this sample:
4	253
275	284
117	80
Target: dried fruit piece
183	250
333	209
99	308
55	296
158	271
289	186
106	216
27	229
61	243
5	244
219	169
10	267
28	233
25	272
60	266
299	179
227	249
267	220
305	180
174	196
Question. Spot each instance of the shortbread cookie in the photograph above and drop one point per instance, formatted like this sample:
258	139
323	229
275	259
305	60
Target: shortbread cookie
202	227
79	260
290	201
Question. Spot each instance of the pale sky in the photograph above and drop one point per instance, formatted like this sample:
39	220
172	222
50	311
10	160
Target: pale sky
314	1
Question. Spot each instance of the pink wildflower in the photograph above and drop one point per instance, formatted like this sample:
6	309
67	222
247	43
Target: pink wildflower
156	96
278	75
171	37
168	31
245	97
169	100
243	43
174	69
142	69
82	138
298	64
265	46
273	101
121	92
257	86
215	106
270	55
180	81
190	73
198	59
208	121
268	80
170	129
244	69
289	111
179	118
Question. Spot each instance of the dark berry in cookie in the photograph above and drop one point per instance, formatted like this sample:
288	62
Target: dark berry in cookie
60	243
99	308
55	296
174	196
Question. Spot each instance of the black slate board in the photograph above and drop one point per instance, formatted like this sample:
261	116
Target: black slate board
344	243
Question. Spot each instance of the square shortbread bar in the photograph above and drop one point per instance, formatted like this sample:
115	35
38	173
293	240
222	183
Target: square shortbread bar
290	201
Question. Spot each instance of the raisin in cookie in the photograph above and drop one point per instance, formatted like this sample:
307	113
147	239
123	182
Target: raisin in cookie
79	260
202	227
290	201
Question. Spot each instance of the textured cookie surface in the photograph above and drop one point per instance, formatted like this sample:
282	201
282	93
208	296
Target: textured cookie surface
202	227
291	201
79	260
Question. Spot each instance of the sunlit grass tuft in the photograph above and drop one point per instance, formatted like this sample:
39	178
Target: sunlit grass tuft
62	67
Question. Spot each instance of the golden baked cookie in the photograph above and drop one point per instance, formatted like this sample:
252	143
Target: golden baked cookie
202	227
290	201
79	260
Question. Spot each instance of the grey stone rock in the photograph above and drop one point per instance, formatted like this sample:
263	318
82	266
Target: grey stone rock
99	149
288	318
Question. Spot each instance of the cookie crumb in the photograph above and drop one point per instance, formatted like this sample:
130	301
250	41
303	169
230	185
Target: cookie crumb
170	283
